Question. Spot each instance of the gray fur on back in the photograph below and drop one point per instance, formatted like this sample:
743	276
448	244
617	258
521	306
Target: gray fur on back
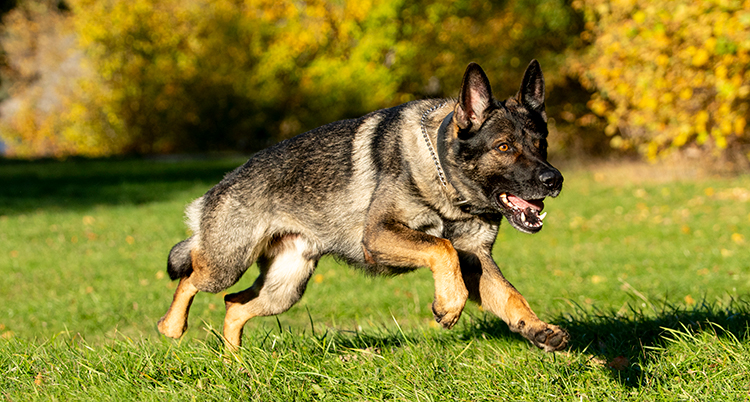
318	184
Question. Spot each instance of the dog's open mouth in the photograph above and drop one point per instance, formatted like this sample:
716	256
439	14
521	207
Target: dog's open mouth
524	215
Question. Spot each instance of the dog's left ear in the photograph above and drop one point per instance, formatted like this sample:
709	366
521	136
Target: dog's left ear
475	98
531	93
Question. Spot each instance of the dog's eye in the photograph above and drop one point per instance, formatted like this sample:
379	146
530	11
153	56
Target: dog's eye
503	147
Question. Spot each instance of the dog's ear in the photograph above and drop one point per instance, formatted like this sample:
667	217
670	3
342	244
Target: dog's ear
475	98
531	93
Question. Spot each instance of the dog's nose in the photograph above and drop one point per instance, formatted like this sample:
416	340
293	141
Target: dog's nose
552	179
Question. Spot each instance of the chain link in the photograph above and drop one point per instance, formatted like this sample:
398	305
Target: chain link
433	154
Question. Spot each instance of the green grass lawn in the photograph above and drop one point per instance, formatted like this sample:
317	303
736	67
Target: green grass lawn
651	278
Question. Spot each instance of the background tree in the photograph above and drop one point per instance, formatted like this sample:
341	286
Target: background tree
197	75
669	75
101	77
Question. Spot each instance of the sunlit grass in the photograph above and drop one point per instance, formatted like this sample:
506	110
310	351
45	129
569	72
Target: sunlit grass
651	278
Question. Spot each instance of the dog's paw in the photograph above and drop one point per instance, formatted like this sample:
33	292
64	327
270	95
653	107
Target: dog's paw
548	337
445	317
171	329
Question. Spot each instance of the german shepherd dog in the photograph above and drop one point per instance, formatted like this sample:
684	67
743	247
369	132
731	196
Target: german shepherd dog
423	184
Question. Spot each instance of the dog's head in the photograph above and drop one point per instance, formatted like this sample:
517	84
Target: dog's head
496	152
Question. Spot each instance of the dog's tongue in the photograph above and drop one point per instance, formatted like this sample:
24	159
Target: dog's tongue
536	205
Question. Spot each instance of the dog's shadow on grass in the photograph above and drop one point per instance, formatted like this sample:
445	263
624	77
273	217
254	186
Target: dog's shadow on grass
623	342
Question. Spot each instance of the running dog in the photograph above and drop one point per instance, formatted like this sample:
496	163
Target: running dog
423	184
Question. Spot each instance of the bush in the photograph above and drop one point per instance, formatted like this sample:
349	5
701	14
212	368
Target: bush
669	74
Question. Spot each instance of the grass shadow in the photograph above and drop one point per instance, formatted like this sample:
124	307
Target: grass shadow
625	342
80	183
637	335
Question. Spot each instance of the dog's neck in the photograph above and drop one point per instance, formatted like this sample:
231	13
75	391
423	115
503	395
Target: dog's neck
437	157
433	152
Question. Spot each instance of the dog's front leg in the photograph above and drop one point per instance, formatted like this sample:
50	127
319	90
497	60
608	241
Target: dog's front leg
488	287
393	244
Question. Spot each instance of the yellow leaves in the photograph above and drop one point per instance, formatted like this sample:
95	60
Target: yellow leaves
721	71
682	66
647	102
639	16
598	106
666	98
617	141
662	60
725	127
701	119
738	238
709	46
700	57
719	139
652	150
684	134
596	279
739	125
358	10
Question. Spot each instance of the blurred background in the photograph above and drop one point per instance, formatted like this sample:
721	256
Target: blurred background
636	78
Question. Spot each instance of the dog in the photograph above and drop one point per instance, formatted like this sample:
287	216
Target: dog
423	184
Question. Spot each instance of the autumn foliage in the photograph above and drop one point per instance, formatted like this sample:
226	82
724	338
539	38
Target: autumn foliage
158	76
197	75
669	74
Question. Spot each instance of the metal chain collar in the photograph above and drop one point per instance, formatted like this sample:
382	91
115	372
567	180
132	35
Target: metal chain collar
433	154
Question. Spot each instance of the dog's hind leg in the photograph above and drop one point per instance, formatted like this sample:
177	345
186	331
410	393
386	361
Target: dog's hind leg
190	267
174	323
285	268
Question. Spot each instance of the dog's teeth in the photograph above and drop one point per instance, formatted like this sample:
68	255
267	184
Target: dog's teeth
523	217
541	216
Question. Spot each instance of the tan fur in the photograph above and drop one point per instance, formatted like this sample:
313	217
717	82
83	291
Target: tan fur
174	323
496	294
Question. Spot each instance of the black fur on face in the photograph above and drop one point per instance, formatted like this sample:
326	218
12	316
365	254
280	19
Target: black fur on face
502	148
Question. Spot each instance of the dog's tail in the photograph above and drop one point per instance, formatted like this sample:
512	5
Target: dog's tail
180	263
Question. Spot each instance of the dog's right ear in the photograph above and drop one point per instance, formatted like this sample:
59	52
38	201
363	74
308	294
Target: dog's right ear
475	98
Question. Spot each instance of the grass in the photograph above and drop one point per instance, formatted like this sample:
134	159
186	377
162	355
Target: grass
651	277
